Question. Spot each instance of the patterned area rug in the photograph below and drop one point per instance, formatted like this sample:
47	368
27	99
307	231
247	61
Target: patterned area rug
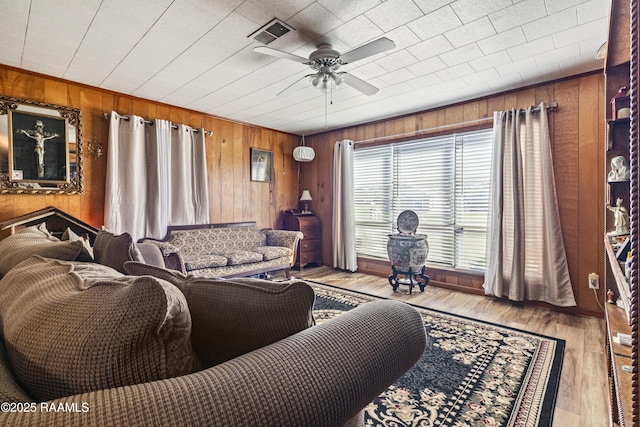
472	373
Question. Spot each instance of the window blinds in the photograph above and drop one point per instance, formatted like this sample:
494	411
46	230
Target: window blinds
444	180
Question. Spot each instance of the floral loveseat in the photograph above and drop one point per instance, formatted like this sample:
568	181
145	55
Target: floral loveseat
227	249
82	344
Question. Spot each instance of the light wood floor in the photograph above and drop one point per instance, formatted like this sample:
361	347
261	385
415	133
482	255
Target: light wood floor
583	395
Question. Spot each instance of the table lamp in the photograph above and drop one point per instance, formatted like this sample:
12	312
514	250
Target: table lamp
306	198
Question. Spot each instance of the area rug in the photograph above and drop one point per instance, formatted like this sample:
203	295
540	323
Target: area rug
472	373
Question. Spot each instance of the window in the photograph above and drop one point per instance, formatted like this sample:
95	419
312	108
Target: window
444	180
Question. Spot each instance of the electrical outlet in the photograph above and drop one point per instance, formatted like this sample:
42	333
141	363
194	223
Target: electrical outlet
594	281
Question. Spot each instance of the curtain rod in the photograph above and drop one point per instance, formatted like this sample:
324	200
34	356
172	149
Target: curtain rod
149	122
552	106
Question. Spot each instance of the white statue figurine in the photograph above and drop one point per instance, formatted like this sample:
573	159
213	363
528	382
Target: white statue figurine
619	170
620	219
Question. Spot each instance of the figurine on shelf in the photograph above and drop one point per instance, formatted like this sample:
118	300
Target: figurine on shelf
619	170
611	298
620	219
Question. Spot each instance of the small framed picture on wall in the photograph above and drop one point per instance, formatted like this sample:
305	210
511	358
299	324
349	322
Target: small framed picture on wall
261	165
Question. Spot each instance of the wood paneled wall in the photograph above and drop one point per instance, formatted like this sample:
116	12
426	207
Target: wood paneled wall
577	134
233	196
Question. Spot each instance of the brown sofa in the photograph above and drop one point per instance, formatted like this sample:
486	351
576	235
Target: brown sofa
83	344
236	249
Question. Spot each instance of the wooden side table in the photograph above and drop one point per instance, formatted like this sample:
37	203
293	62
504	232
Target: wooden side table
310	247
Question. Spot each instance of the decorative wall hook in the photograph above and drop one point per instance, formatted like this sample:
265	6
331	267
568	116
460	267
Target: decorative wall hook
94	148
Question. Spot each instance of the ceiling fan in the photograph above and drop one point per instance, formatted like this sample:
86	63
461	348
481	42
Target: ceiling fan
325	62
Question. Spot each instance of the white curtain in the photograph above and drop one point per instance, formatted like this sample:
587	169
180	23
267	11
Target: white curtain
344	223
126	181
156	177
526	259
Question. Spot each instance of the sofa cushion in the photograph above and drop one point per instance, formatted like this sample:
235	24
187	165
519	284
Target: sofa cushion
233	317
86	253
272	252
114	250
34	240
72	328
238	257
219	240
204	261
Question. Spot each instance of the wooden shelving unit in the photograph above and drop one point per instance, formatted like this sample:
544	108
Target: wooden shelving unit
618	356
622	284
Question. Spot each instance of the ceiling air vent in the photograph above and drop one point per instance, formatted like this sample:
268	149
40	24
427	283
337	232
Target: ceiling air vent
271	31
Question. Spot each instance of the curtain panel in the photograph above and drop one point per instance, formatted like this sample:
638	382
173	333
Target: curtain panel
526	258
156	177
344	221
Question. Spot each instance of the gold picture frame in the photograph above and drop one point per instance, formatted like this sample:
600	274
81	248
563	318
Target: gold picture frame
40	148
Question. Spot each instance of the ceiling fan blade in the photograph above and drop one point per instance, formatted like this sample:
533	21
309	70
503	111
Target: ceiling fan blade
359	84
369	49
280	54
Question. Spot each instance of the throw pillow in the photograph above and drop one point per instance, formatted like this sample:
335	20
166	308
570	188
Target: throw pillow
114	250
234	316
67	335
86	254
34	240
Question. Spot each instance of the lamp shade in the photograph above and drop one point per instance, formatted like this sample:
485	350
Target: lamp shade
302	153
305	195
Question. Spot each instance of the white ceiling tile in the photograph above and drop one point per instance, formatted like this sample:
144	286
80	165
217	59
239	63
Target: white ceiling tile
506	82
394	13
589	47
557	54
43	65
197	54
85	75
118	27
431	47
314	20
357	31
470	10
428	6
425	81
435	23
490	61
398	76
518	14
469	33
502	41
218	9
397	60
540	74
551	24
347	10
593	29
261	13
368	71
455	72
535	47
554	6
427	66
513	68
403	37
10	56
462	54
593	10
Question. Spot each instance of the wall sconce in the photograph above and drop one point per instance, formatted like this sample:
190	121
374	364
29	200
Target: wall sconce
94	148
306	198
